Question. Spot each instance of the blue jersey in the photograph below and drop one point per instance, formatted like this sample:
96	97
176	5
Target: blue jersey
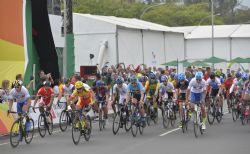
137	89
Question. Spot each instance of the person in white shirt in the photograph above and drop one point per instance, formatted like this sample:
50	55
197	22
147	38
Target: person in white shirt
197	90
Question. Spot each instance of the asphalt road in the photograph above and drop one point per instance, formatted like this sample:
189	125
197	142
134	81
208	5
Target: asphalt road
228	137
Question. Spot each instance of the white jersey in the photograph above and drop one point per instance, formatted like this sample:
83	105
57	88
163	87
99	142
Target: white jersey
166	88
21	96
86	86
122	92
214	84
197	87
68	90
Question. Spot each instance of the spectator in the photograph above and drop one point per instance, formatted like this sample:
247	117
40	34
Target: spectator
4	91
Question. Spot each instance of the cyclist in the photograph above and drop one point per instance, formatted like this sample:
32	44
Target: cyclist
21	95
102	96
181	89
215	87
120	88
197	90
152	86
67	90
47	95
85	97
136	90
227	85
172	79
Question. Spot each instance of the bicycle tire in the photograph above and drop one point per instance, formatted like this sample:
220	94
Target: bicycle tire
195	124
219	115
116	123
15	133
234	114
87	131
100	121
50	125
141	129
128	124
76	131
41	125
134	127
64	120
165	119
29	132
201	130
172	117
211	114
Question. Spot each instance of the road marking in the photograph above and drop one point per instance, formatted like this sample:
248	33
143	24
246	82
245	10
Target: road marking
169	132
4	143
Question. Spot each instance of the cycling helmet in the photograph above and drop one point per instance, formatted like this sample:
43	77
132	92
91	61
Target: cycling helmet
46	83
133	79
119	80
181	77
176	76
198	75
238	75
164	78
152	75
172	74
245	76
99	83
18	83
143	79
212	75
79	84
217	73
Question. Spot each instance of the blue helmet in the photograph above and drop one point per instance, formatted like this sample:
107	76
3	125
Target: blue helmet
143	79
119	80
245	76
176	76
238	75
133	79
182	77
152	75
164	78
172	74
198	75
99	83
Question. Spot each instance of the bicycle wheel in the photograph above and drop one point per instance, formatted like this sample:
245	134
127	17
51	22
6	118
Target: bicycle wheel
128	124
50	124
234	113
64	120
243	119
141	129
211	114
101	121
87	131
41	125
155	119
76	131
172	118
165	118
15	134
183	122
116	123
219	114
134	127
195	123
201	130
29	130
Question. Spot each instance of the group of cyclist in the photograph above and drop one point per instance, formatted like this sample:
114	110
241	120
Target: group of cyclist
137	87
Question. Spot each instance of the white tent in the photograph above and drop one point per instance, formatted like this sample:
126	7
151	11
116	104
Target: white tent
230	41
132	41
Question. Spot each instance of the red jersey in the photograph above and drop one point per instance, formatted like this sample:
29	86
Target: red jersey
228	83
206	76
45	94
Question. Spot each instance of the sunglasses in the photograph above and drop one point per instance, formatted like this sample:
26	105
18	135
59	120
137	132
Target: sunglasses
79	89
133	83
18	87
198	80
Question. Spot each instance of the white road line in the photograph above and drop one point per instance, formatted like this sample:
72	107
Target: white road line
4	143
171	131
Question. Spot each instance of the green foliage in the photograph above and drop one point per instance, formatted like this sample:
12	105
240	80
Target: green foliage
170	14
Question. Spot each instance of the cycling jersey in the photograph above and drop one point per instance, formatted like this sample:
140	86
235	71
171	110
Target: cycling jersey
85	97
214	84
68	90
21	96
45	94
152	86
197	87
122	92
182	86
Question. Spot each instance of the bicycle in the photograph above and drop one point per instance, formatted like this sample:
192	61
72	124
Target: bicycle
214	110
169	115
66	117
79	125
235	107
197	119
21	129
122	118
136	120
45	122
185	116
245	112
102	119
152	110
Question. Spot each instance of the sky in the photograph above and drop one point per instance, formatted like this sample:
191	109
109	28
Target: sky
246	2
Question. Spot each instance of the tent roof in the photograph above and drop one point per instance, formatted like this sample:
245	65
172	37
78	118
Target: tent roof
130	23
220	31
